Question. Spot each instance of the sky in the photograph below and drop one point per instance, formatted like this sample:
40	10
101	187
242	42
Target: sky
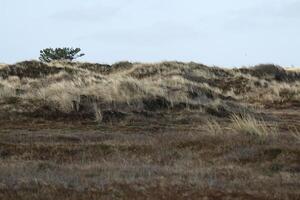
215	32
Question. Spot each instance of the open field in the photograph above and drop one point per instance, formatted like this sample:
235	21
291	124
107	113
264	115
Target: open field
167	130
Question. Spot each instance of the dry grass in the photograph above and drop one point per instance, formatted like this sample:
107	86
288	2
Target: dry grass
214	128
293	69
61	86
145	161
148	131
251	126
295	133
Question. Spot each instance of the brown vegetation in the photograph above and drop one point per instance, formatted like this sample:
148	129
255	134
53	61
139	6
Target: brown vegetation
167	130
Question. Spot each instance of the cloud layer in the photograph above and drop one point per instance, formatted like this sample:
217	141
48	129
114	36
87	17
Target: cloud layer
227	33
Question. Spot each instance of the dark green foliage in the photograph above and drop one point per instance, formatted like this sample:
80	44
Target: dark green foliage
50	54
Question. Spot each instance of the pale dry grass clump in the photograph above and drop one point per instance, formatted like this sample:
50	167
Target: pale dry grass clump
293	69
7	89
60	95
2	65
249	125
281	92
214	128
295	133
273	93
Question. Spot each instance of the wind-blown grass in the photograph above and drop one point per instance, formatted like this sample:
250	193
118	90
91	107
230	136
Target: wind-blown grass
251	126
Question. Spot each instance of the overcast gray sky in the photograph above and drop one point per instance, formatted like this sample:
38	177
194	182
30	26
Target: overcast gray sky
214	32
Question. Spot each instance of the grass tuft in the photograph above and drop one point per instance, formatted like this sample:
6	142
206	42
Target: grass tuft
251	126
213	127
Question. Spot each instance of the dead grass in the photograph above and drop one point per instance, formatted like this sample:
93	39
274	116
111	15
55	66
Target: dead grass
166	130
293	69
295	133
251	126
203	159
60	86
214	128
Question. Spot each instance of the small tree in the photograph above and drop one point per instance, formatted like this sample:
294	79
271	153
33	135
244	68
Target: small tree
50	54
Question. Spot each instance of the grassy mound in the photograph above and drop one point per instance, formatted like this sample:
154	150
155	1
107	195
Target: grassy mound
84	90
